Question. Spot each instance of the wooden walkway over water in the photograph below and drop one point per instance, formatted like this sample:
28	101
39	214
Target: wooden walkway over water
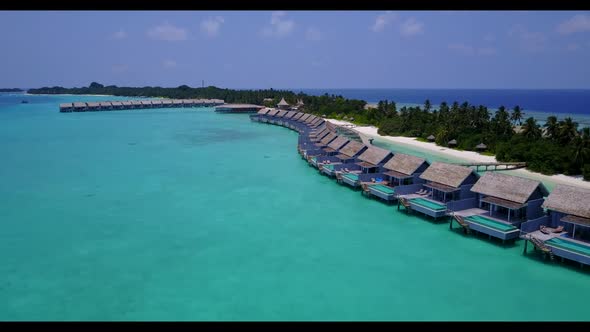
136	104
497	166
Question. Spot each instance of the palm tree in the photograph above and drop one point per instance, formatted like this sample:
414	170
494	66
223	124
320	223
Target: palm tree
552	127
568	130
581	144
531	129
427	105
516	115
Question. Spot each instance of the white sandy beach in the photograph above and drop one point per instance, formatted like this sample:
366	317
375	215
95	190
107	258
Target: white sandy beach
371	132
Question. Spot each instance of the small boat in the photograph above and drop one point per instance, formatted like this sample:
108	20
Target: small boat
24	102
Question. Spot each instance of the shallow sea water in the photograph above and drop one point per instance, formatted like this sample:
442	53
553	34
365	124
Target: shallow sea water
185	214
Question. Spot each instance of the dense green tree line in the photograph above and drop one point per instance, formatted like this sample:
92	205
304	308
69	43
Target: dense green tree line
325	104
11	90
557	147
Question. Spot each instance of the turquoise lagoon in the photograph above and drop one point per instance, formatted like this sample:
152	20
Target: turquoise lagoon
185	214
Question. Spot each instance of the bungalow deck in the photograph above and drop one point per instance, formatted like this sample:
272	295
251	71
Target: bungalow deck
480	221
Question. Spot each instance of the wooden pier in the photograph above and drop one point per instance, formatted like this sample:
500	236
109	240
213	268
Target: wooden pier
137	104
498	166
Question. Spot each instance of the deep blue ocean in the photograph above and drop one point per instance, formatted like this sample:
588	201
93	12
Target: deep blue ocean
536	103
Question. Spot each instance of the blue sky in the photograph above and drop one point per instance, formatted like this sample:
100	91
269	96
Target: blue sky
297	49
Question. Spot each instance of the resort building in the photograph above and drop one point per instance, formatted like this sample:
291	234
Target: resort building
400	170
345	158
238	108
366	168
283	104
445	183
502	203
565	231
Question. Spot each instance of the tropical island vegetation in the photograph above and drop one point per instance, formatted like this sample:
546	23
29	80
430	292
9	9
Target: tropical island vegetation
558	146
11	90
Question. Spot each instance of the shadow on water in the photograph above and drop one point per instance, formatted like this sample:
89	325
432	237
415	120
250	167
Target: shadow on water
209	136
574	266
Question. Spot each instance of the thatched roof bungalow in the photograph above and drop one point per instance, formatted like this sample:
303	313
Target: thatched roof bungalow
509	197
283	104
449	181
404	169
350	151
372	158
569	205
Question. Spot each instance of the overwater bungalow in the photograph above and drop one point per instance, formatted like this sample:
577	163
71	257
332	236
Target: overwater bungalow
400	170
366	168
316	136
290	114
188	103
320	156
502	203
304	117
136	104
167	103
66	107
565	231
444	183
146	104
316	122
117	105
80	107
238	108
345	157
270	116
334	146
177	103
323	143
105	105
297	116
260	114
310	119
280	117
93	106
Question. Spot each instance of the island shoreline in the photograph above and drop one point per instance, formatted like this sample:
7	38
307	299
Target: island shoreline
468	156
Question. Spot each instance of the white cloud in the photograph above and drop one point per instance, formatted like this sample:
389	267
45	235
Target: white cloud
528	41
411	27
121	34
279	26
316	63
212	25
381	21
573	47
461	48
169	63
464	49
167	32
487	51
313	34
489	37
578	23
120	68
